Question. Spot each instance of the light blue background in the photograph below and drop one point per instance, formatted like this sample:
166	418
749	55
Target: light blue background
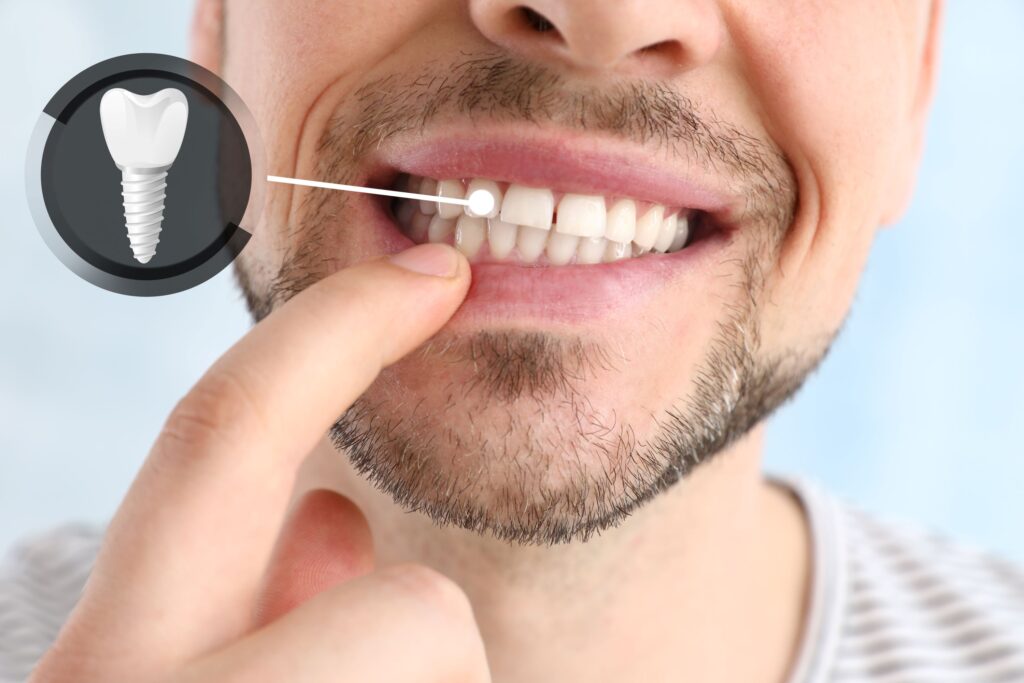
918	413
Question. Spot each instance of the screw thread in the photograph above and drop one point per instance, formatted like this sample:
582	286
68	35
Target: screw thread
144	193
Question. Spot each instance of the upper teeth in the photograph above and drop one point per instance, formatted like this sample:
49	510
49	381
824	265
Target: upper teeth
583	229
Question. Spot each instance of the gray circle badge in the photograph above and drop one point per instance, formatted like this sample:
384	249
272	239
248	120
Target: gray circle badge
142	172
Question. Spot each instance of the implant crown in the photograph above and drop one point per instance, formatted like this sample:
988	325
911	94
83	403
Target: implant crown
144	131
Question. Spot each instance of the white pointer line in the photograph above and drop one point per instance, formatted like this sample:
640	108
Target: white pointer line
367	190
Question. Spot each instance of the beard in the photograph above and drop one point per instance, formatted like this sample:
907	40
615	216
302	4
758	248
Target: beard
504	437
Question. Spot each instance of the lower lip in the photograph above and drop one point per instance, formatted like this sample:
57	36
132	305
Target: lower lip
507	293
576	294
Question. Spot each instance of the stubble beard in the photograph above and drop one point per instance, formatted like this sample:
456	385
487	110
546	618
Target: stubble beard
475	455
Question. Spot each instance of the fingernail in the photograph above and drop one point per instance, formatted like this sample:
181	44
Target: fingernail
438	260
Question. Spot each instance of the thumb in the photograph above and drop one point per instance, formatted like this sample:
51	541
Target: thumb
326	541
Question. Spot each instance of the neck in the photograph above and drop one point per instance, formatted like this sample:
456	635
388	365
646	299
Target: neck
715	566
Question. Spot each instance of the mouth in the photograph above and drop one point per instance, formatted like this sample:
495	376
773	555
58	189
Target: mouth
575	233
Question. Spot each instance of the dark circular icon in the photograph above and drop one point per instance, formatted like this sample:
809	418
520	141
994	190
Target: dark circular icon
142	172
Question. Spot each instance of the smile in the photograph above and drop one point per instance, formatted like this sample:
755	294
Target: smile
580	229
541	226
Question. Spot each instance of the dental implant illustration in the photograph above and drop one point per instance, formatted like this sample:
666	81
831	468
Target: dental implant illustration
144	135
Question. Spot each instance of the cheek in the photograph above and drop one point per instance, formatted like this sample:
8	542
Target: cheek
833	78
291	62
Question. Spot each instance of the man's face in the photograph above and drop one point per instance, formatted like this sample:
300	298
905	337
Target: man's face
758	145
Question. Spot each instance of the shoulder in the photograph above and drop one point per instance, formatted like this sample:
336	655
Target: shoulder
921	606
41	579
907	605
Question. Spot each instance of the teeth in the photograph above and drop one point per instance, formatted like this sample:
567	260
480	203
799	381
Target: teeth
648	227
428	186
419	227
616	251
470	234
666	234
452	189
581	215
531	242
528	206
621	223
524	223
502	237
591	250
561	248
440	228
682	233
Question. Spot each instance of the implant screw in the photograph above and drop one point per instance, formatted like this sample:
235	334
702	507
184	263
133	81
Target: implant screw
144	192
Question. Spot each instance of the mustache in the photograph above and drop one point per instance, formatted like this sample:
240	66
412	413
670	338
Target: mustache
498	87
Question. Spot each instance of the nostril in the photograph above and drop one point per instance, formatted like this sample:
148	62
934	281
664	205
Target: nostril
536	21
670	49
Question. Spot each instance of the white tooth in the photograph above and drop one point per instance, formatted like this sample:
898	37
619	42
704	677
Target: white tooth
502	237
531	242
428	186
528	206
682	233
489	186
582	215
621	224
561	247
454	190
648	227
591	249
666	234
470	233
440	228
419	227
617	251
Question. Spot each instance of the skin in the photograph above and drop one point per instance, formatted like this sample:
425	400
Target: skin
713	565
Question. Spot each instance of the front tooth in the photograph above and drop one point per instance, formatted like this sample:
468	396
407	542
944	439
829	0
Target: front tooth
428	187
621	224
528	206
666	234
489	186
452	189
530	241
581	215
502	237
591	249
682	233
470	233
616	251
561	247
439	229
648	227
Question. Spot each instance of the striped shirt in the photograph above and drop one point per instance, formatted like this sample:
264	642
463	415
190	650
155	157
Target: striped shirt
888	604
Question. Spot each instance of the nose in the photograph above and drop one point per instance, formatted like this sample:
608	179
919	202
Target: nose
647	37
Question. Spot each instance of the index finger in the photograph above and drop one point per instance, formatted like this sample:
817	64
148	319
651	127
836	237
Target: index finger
186	551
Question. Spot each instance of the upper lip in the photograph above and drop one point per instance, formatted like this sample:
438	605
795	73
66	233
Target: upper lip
562	162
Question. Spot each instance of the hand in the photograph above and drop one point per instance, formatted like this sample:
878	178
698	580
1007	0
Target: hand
196	580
